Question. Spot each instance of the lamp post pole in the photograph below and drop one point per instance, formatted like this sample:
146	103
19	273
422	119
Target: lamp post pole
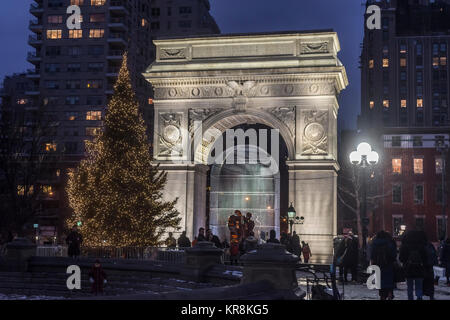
442	147
364	157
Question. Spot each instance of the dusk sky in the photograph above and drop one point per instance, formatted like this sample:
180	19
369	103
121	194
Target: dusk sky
232	16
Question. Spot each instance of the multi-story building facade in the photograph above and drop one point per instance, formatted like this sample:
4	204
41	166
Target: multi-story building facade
75	69
404	111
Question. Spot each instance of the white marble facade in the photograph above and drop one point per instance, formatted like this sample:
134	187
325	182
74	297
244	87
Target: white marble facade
287	81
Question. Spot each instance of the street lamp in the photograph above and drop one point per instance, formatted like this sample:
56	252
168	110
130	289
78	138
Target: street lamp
293	219
364	157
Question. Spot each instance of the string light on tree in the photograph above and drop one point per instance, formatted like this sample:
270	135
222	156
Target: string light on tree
116	192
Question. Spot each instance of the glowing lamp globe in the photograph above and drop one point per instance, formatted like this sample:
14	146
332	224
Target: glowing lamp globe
364	149
373	157
355	157
291	212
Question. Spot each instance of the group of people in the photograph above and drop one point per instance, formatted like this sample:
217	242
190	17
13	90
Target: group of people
412	262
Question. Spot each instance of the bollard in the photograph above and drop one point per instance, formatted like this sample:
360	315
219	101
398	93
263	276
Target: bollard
271	262
199	259
18	252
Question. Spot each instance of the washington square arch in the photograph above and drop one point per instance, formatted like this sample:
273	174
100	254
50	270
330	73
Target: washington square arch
286	81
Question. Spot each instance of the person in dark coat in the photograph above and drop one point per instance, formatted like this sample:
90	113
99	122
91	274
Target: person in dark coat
296	248
74	241
348	256
428	281
170	242
413	256
384	254
183	241
201	235
272	237
213	238
286	241
445	259
97	277
250	243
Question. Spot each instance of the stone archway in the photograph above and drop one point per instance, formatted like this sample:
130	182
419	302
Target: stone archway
286	81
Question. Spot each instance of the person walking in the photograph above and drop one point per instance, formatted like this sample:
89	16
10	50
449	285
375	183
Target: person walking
347	258
384	254
74	241
413	256
296	248
183	241
445	259
170	242
97	277
272	237
428	281
306	250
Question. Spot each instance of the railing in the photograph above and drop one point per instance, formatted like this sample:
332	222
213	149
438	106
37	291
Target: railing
34	38
33	55
36	7
137	253
116	3
51	251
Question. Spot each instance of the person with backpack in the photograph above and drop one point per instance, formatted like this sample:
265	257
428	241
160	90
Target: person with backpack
384	254
413	256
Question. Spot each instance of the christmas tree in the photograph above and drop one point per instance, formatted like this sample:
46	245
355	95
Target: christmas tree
116	191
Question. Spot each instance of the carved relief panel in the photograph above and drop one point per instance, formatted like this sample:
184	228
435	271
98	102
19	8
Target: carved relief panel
314	133
170	136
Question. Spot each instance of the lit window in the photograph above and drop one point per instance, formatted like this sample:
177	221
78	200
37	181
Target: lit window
438	163
403	103
150	101
49	147
97	17
94	84
75	34
370	63
98	3
54	19
94	115
96	33
418	165
144	22
22	101
92	131
386	103
77	2
385	63
402	62
54	34
71	116
403	48
435	61
371	104
443	61
420	103
397	166
21	190
47	190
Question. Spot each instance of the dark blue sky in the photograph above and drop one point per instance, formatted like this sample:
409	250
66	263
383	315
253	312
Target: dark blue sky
232	16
